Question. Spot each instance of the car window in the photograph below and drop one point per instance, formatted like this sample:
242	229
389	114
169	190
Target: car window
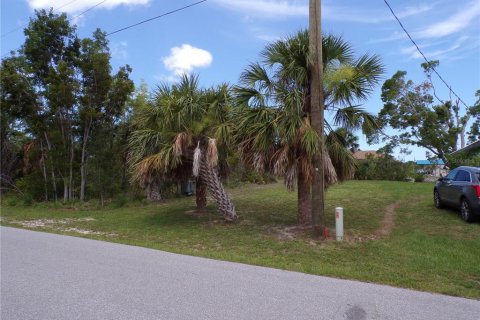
451	175
462	175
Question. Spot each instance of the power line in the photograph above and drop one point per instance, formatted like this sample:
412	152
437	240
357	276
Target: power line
91	8
23	25
78	15
428	61
162	15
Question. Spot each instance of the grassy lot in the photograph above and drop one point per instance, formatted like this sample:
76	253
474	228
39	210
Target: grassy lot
428	249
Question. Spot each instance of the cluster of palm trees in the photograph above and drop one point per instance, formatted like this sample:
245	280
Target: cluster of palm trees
187	131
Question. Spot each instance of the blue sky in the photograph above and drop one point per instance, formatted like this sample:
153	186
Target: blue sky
219	38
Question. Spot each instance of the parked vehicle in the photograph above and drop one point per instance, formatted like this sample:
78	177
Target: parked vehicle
460	189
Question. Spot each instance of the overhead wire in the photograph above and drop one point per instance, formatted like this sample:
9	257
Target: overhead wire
159	16
74	17
23	25
138	23
91	8
423	55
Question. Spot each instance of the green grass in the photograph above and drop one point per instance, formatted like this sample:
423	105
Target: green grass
428	249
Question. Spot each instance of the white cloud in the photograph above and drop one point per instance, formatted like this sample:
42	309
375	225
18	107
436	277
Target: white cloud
267	8
434	52
119	50
166	78
185	58
78	6
298	8
268	38
371	16
453	24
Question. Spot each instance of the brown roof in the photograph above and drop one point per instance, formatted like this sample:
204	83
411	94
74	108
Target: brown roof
362	155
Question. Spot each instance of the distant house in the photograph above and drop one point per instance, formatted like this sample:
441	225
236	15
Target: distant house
363	155
435	168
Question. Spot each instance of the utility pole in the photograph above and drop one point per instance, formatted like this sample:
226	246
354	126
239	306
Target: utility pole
316	115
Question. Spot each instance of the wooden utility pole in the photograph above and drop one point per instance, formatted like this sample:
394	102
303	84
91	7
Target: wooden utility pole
317	118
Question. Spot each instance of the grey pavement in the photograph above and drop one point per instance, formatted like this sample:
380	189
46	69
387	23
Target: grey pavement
47	276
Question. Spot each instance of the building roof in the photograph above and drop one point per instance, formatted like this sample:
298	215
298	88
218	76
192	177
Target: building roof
362	155
430	162
470	147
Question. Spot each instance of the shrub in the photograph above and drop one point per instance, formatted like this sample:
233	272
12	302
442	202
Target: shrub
119	201
383	168
27	200
419	177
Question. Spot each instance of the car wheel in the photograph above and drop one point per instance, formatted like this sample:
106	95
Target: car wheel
436	200
466	210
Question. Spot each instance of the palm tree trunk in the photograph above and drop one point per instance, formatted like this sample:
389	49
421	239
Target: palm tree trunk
201	194
153	191
304	203
210	176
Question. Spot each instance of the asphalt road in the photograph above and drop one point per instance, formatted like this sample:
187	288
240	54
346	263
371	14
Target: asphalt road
47	276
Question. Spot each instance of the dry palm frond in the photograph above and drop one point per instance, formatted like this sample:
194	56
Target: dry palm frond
147	168
258	162
181	143
197	158
329	170
212	153
280	160
291	175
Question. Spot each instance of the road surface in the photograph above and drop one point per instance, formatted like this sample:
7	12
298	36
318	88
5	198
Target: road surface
47	276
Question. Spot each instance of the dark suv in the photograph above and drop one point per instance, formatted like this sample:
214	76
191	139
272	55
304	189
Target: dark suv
460	189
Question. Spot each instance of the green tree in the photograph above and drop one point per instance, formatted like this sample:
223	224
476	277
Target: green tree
474	133
274	131
18	99
411	109
103	99
185	130
50	51
59	89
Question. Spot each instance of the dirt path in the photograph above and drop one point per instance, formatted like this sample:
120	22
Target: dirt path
388	221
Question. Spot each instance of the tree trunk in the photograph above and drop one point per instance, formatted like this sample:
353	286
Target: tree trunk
44	170
210	176
304	203
54	180
70	183
317	115
462	137
153	191
83	164
65	189
201	194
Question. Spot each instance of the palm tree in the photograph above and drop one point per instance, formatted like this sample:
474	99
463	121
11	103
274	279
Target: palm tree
274	131
184	131
348	139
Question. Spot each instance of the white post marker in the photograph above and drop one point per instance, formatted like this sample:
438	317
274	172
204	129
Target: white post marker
339	223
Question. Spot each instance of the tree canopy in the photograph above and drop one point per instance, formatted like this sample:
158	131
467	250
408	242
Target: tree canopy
274	131
424	119
61	91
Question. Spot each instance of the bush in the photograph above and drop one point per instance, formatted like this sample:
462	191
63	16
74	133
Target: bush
383	168
419	177
119	201
33	185
27	200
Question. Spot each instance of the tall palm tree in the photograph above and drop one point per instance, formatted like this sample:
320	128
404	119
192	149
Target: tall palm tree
184	131
274	131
